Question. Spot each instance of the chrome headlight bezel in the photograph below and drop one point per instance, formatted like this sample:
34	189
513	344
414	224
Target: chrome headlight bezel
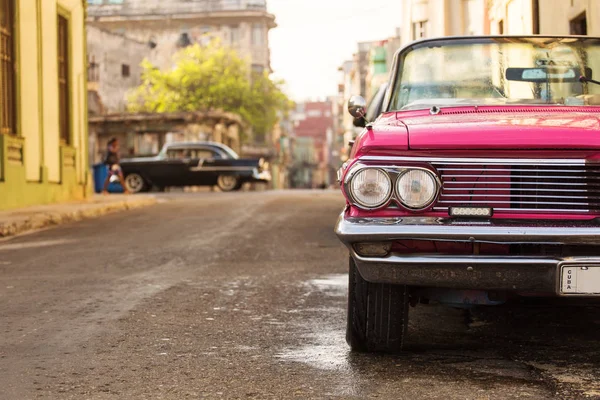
353	173
394	173
435	181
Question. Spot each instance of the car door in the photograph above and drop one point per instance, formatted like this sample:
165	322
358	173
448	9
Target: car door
202	171
172	169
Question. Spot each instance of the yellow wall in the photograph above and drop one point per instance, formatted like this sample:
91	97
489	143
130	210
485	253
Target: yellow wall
554	15
28	93
48	171
444	17
516	16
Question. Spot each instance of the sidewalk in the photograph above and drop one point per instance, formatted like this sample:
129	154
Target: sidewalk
14	222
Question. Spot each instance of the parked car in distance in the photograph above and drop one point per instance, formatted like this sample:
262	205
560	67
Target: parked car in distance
479	183
193	164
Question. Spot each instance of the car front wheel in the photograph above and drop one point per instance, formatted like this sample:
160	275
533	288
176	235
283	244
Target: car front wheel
135	183
377	314
228	183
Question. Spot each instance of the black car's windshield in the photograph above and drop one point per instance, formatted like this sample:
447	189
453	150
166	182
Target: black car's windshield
497	71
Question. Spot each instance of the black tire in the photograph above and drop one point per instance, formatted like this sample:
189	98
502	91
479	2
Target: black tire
229	183
136	183
377	315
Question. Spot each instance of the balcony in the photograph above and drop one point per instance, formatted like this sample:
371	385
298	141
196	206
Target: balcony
138	8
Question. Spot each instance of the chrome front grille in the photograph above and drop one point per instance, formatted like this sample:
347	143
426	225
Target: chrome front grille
536	186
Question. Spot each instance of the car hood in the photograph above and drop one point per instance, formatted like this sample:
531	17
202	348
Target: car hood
503	128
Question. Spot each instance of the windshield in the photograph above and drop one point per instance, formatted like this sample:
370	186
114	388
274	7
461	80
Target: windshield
231	154
497	71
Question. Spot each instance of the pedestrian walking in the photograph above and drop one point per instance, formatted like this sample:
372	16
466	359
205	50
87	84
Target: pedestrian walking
111	160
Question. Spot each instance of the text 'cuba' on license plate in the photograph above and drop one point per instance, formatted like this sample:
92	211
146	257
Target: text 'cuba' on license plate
580	279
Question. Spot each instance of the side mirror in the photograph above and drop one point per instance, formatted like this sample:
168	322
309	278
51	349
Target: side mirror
359	122
357	107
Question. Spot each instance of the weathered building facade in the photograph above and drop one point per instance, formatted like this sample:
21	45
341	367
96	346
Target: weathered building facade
546	17
423	19
313	135
167	26
114	68
43	127
145	134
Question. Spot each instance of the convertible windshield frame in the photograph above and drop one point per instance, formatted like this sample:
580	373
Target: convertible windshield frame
402	53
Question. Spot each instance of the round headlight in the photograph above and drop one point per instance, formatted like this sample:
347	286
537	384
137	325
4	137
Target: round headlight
371	187
417	189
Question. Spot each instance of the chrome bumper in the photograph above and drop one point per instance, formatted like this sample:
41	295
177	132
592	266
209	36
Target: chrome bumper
264	176
516	273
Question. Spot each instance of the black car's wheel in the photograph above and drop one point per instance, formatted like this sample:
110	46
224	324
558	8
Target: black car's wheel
228	183
135	183
377	315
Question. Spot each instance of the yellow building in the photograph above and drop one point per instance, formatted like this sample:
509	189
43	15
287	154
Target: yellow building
422	19
43	102
546	17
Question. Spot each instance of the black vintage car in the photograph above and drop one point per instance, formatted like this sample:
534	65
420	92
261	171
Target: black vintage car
193	164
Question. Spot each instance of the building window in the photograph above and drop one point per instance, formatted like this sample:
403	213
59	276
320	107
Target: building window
578	25
258	69
234	35
184	40
501	27
93	69
8	100
419	30
64	90
257	35
125	71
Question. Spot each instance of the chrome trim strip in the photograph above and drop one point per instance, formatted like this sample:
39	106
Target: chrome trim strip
568	190
264	176
453	260
530	210
483	161
520	183
201	168
475	202
508	196
520	177
580	171
352	230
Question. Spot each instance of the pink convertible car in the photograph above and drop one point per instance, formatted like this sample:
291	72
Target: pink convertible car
479	182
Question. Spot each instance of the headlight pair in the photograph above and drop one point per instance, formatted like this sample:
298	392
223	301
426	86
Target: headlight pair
373	187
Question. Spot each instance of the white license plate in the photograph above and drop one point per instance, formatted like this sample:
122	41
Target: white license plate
580	279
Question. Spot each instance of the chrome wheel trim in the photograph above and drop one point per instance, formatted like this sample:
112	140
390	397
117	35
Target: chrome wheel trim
134	183
227	182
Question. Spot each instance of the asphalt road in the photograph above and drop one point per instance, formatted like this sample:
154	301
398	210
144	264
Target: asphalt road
243	296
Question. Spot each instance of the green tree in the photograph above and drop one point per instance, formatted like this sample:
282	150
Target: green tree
211	77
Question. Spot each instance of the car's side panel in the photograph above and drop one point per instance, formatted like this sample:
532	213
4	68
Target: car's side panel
191	166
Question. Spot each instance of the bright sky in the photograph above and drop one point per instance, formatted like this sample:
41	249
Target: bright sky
315	37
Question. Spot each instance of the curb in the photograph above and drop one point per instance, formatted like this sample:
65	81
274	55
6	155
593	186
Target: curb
79	212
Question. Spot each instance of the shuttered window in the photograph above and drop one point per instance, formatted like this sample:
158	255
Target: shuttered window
64	89
8	114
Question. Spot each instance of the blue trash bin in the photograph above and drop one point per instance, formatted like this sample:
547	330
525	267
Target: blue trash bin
100	174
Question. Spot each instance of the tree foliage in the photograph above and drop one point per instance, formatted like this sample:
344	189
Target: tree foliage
211	77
